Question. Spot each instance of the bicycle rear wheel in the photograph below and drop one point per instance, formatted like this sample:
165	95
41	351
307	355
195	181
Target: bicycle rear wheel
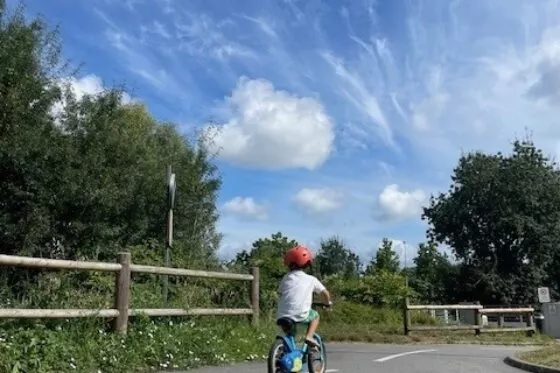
317	361
274	355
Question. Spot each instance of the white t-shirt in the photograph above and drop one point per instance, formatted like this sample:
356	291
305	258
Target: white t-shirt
296	295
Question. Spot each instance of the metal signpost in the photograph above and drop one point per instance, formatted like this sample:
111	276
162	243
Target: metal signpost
544	295
171	187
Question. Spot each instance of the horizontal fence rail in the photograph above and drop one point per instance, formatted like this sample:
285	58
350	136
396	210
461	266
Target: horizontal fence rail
65	313
25	261
121	311
476	318
445	307
135	268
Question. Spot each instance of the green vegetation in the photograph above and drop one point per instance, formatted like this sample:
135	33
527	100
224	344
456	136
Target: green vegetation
501	218
83	178
160	343
86	346
547	356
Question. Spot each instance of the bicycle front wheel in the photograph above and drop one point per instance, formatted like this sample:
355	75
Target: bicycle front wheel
317	360
274	355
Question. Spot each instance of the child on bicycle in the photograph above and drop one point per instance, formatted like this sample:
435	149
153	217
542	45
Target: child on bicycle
296	292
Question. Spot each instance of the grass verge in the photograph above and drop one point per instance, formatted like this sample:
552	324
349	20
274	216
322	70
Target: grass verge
87	346
361	323
388	334
165	343
547	356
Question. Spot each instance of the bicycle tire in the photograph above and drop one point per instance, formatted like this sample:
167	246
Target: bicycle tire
322	352
271	361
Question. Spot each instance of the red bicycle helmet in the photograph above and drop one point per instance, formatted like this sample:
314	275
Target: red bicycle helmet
299	256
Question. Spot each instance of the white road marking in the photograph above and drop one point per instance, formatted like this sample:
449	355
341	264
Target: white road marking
331	370
402	354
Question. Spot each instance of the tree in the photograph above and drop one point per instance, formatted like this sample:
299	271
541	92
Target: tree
115	178
88	178
335	258
501	216
268	255
386	259
29	140
434	277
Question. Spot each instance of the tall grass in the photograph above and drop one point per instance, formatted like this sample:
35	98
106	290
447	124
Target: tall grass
88	345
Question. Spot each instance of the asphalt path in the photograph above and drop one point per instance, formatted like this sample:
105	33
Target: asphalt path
374	358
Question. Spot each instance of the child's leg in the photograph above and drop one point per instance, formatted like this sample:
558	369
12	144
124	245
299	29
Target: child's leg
313	319
312	328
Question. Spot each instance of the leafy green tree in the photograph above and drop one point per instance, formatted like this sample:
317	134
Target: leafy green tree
501	216
115	178
434	276
386	259
335	258
29	140
268	255
88	178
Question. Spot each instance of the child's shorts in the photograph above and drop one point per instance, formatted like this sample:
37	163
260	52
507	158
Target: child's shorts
312	315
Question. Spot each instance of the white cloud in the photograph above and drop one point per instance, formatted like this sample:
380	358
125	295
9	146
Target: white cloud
272	129
203	36
246	207
398	205
143	56
354	90
264	25
91	85
318	201
503	87
455	87
87	85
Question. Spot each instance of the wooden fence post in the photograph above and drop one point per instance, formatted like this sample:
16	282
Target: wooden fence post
530	324
477	320
122	293
255	295
406	317
501	320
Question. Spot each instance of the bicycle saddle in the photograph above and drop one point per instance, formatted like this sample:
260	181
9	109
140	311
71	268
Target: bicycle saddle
287	324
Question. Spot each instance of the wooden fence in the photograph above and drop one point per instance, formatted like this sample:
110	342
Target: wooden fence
123	269
479	311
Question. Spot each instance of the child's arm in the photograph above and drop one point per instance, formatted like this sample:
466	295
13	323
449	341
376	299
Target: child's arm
321	290
326	297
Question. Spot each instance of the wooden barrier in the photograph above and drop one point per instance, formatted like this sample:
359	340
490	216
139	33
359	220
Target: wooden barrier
478	326
121	311
501	312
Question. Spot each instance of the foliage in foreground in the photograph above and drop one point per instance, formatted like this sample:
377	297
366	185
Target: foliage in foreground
185	343
86	346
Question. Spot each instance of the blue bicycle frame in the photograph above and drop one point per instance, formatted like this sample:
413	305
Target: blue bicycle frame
294	356
294	359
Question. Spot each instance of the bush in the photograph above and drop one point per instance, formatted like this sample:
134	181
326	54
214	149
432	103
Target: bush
383	289
346	312
86	346
351	313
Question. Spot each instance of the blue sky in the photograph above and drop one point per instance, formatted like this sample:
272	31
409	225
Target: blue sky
332	117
